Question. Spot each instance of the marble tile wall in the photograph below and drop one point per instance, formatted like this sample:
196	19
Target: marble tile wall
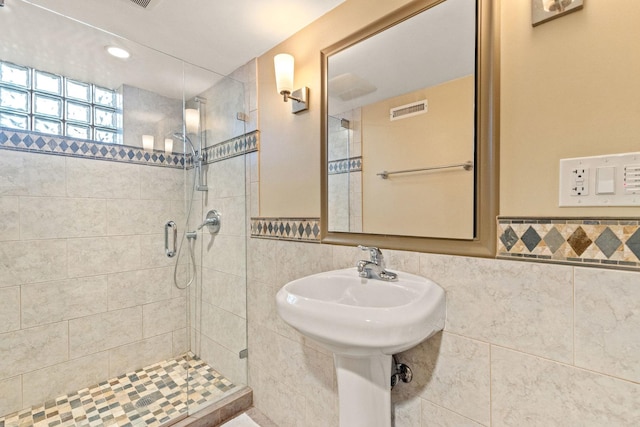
231	105
84	280
148	113
345	165
86	291
525	344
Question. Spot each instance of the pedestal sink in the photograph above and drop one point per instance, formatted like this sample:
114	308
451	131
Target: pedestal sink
363	322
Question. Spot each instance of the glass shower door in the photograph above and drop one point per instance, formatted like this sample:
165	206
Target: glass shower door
217	300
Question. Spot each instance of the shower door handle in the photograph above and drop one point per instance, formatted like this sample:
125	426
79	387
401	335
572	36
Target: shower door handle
173	227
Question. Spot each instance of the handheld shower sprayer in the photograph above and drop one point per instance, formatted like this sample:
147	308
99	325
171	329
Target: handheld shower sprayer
197	159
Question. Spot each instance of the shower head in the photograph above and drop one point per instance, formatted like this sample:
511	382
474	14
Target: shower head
184	138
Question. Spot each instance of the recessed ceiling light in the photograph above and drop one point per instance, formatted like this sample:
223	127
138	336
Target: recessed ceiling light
118	52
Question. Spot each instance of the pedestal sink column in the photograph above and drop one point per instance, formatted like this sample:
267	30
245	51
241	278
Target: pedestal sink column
364	390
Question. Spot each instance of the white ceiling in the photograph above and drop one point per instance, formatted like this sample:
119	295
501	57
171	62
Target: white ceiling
217	35
429	49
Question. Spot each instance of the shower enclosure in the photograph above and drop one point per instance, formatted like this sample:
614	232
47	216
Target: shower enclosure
97	324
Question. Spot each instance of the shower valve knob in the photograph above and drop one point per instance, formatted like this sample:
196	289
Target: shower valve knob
212	221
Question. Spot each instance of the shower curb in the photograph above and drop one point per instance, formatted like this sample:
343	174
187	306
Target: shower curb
219	412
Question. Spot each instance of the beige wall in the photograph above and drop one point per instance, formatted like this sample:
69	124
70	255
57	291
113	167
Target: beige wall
569	88
290	143
434	204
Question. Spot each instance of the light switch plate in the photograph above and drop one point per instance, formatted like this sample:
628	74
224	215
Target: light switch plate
610	180
606	180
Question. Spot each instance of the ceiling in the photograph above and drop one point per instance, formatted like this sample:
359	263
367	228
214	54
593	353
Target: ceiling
217	36
431	48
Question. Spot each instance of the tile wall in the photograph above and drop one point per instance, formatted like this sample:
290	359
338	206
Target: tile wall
525	344
148	113
345	171
86	291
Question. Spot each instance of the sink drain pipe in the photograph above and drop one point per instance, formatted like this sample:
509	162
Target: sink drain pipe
399	372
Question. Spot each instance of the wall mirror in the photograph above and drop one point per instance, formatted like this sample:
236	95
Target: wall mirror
409	131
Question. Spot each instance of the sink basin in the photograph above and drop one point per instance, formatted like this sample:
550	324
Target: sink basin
358	316
363	322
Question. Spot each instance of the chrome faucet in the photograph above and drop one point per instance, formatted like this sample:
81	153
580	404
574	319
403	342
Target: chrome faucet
374	268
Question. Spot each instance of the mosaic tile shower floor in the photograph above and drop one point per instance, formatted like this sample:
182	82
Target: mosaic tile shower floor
150	396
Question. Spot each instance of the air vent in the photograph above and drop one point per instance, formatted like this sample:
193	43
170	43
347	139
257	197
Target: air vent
408	110
142	3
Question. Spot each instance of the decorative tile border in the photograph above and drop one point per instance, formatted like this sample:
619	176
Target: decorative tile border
611	242
298	229
36	142
233	147
352	164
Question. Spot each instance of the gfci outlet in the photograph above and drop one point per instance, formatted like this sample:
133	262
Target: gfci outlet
580	182
612	180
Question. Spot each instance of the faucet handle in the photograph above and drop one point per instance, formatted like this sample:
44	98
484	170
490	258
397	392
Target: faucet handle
375	253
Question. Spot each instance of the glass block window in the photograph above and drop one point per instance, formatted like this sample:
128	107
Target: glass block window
44	102
105	97
45	82
14	99
78	112
106	135
15	75
43	125
14	121
78	90
78	131
47	106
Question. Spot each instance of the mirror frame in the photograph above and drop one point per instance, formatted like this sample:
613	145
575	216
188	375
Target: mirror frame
486	137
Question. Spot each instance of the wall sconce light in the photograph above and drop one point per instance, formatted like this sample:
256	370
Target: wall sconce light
283	63
168	146
546	10
147	142
192	119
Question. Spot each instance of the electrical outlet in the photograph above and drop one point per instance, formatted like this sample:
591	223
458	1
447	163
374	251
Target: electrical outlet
579	182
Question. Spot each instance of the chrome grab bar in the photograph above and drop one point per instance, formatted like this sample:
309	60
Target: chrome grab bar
170	225
466	166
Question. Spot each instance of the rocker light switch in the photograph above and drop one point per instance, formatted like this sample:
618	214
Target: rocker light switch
605	180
